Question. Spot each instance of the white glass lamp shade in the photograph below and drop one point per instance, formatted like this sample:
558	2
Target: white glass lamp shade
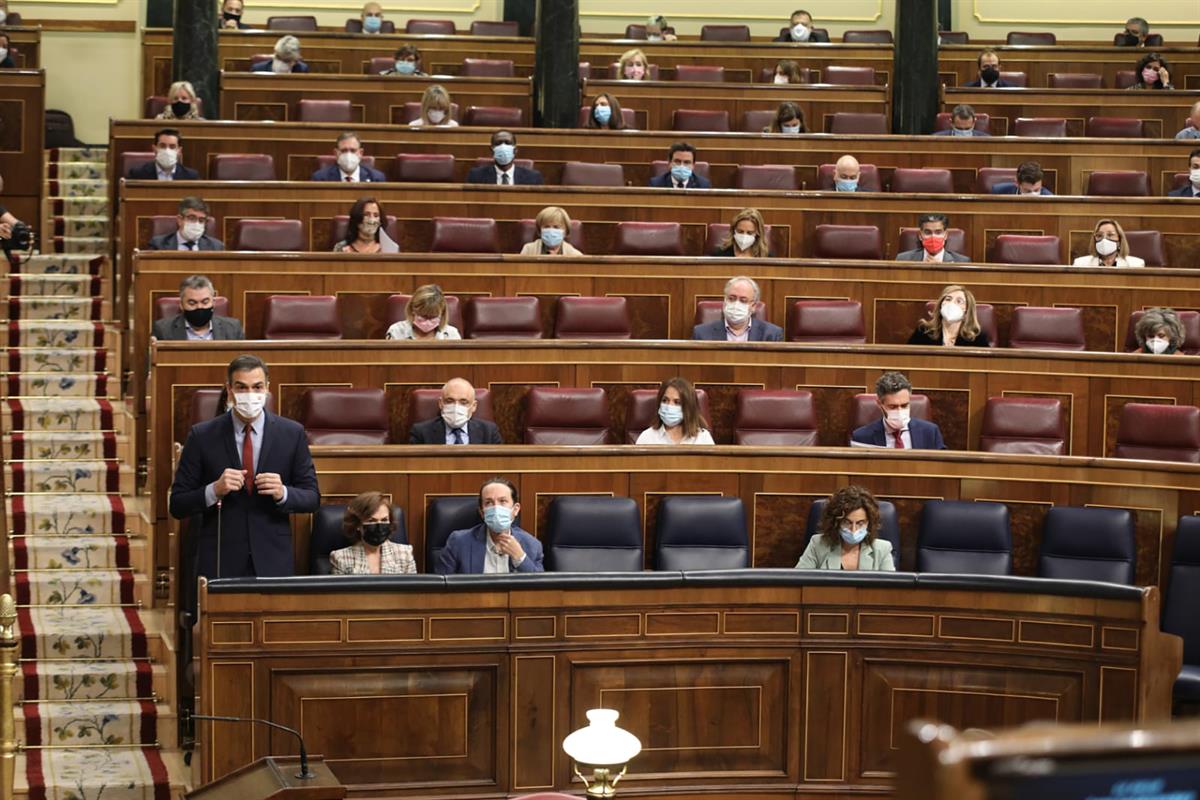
602	743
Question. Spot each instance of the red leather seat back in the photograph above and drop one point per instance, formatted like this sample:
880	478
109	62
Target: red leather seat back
397	303
1119	183
1115	127
766	176
847	241
426	404
868	178
956	240
291	23
765	417
695	119
864	410
1159	432
494	117
269	235
1032	425
341	226
1124	78
1191	331
1179	180
579	173
165	307
1148	246
297	316
443	27
649	239
464	235
1040	328
757	120
1040	126
716	233
242	167
944	122
987	177
848	76
984	312
528	232
379	64
164	224
635	31
711	310
724	33
1075	80
627	114
928	181
699	168
642	409
866	123
412	110
954	37
339	415
133	160
826	321
487	68
487	27
592	318
867	37
425	168
1013	248
702	73
324	111
555	416
1018	78
1032	39
503	318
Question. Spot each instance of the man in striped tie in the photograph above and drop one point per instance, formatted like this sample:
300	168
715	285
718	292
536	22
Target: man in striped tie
896	428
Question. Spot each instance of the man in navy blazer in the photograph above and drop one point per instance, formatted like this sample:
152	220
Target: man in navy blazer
1192	187
896	428
349	167
497	546
166	166
1029	181
681	174
243	474
737	323
504	171
456	424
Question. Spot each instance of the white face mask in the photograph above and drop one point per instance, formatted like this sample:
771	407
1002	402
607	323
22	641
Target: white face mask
897	419
1106	247
192	231
1157	345
800	32
249	405
436	115
744	241
456	416
736	313
348	161
3	16
1195	177
166	158
781	79
952	312
3	50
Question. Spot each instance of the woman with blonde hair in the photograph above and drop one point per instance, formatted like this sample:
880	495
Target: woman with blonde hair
678	420
1160	332
425	317
1109	248
181	102
367	523
632	66
747	237
848	535
953	322
435	109
553	227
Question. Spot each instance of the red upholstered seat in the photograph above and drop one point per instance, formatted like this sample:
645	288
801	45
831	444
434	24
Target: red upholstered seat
1013	248
711	310
555	416
527	232
724	33
614	71
641	409
649	239
464	235
1115	127
704	73
867	37
983	311
444	27
868	178
165	307
341	226
1033	425
269	235
954	37
847	241
1148	246
1033	39
1178	181
627	114
292	23
944	122
956	240
592	318
864	409
659	167
487	27
1191	331
425	168
858	122
242	167
579	173
1118	183
1075	80
757	120
426	404
775	417
834	321
412	110
503	318
494	117
1041	328
766	176
487	68
1040	126
165	223
133	160
338	415
1016	78
1124	78
354	25
635	31
1159	432
928	181
716	233
987	177
324	111
298	316
848	76
397	303
695	119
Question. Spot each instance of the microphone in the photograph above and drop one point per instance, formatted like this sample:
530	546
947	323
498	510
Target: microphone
304	773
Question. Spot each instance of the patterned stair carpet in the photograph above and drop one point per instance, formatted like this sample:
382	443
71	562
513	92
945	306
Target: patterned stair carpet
95	705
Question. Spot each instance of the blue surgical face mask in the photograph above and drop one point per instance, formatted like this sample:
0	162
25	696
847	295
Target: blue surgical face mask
853	537
670	415
406	67
372	24
846	184
552	237
503	153
498	518
962	131
791	128
602	114
681	173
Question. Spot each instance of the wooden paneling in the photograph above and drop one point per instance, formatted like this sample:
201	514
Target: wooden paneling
22	133
25	46
958	64
1162	113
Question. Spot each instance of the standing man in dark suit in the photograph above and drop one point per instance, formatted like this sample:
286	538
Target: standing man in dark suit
737	323
196	321
503	171
896	428
498	545
245	472
932	229
349	167
802	30
190	234
457	423
681	160
1192	187
168	153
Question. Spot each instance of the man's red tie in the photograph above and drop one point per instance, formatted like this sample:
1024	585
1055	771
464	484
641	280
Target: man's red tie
349	179
899	441
248	460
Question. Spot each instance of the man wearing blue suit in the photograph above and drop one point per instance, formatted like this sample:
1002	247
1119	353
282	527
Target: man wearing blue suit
244	473
737	323
896	428
496	546
1192	187
681	160
1029	181
349	167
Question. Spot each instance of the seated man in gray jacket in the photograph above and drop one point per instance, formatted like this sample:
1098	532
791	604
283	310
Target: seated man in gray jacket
737	323
932	234
196	320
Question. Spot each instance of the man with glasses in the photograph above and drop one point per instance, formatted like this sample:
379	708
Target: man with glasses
456	424
191	232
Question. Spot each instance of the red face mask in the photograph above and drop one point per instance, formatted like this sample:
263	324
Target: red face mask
933	244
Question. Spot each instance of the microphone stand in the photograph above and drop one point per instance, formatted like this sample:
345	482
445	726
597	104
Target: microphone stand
305	773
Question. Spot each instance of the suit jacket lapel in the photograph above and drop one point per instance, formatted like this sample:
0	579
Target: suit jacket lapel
230	443
178	329
477	547
268	423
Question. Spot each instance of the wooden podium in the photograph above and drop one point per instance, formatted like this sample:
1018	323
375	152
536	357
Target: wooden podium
274	778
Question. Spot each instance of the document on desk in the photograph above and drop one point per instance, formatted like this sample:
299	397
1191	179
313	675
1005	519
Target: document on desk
865	444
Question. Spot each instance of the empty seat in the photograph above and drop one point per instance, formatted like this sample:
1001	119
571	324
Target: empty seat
489	27
1075	80
649	239
635	31
703	73
579	173
1124	78
1016	78
1180	601
868	178
958	536
443	27
889	524
954	37
292	23
724	33
298	316
424	168
826	322
857	122
864	409
641	410
412	110
695	119
956	242
338	415
944	122
593	534
464	235
242	167
848	76
1034	39
269	235
426	404
1088	544
444	516
328	535
757	120
494	117
1033	425
1040	328
397	304
592	318
1159	432
848	241
341	226
324	111
503	318
867	37
354	25
988	177
556	416
708	311
701	532
1191	330
929	181
487	68
775	417
1115	127
1118	183
766	176
1040	126
1013	248
165	307
1148	246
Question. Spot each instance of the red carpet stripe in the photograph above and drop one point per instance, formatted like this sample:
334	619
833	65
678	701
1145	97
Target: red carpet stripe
118	512
18	415
145	679
122	551
126	585
30	674
149	731
28	635
34	775
17	523
137	633
33	725
20	554
158	770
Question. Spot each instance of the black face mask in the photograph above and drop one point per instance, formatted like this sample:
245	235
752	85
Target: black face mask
1129	39
228	16
376	533
180	108
198	317
989	74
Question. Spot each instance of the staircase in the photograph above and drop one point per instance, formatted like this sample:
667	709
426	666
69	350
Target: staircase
95	692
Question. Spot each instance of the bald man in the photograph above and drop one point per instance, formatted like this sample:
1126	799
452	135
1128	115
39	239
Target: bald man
1191	131
456	424
846	174
372	17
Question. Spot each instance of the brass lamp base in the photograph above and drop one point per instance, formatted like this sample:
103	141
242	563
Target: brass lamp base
603	785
